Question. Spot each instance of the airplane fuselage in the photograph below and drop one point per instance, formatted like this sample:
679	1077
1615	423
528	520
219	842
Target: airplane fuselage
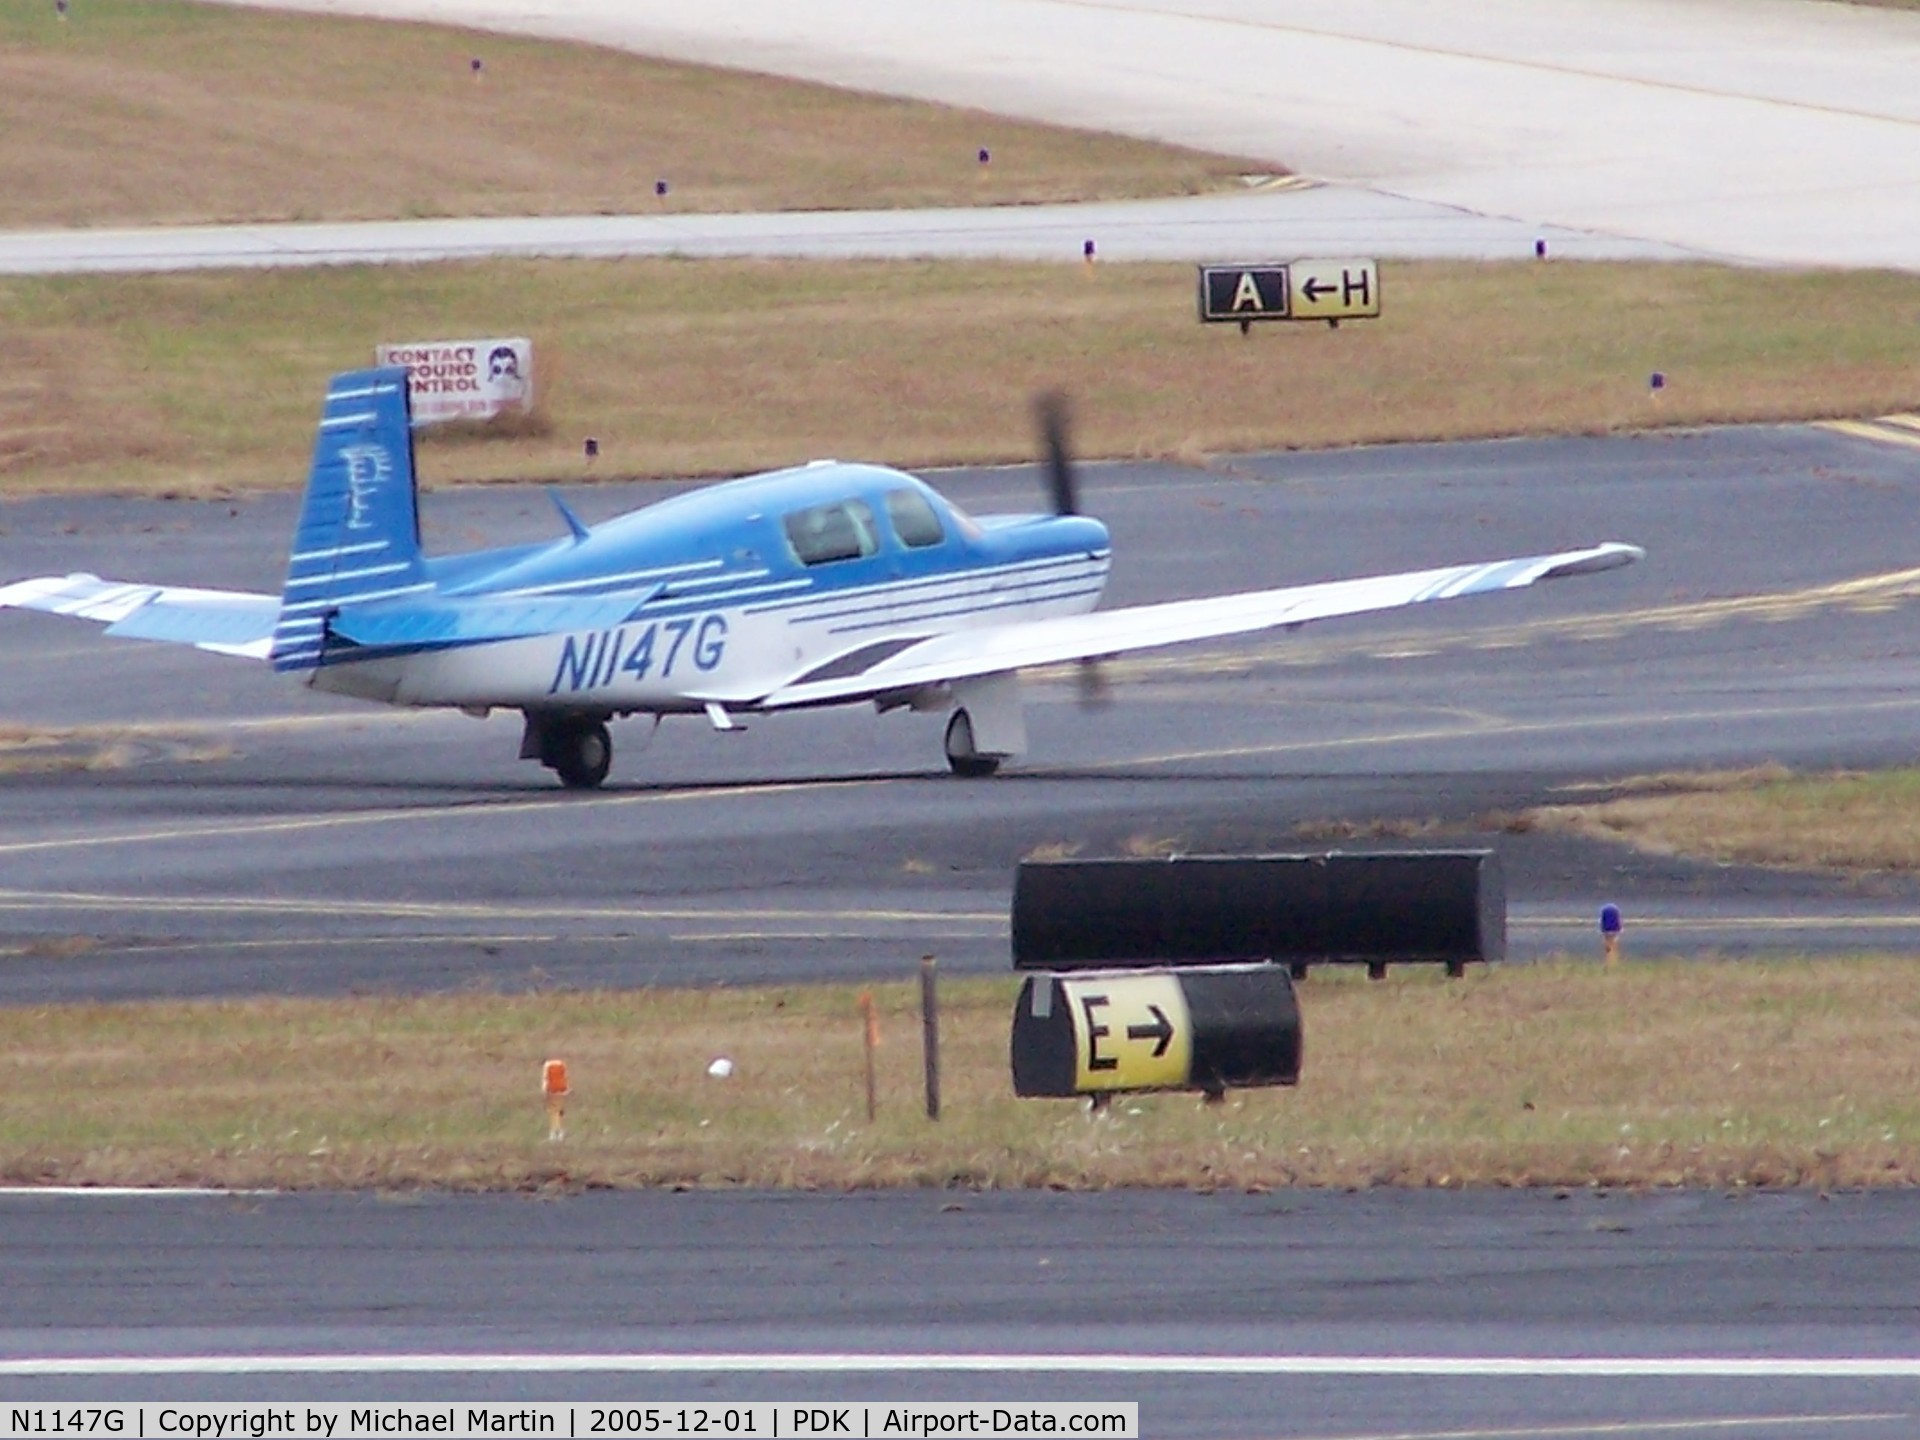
761	582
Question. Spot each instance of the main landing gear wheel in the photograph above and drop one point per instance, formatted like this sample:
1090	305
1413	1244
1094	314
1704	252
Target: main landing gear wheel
961	756
580	754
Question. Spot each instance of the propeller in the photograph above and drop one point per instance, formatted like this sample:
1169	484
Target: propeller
1051	410
1090	680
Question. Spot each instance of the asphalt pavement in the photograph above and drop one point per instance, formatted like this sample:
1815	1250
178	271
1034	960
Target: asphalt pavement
1298	1314
1314	220
237	836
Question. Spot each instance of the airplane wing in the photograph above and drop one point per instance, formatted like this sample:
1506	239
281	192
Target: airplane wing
227	622
896	665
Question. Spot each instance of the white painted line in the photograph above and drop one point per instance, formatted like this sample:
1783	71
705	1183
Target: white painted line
669	1363
1722	1424
121	1192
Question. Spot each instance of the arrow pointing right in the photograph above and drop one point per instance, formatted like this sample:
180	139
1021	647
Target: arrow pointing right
1161	1030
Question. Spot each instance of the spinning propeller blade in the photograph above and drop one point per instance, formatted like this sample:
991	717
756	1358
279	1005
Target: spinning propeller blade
1052	411
1091	687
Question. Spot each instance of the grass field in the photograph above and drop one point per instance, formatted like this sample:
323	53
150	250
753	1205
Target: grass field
136	112
1670	1073
1760	817
198	382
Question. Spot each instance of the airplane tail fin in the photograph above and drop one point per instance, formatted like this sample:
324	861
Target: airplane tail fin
359	533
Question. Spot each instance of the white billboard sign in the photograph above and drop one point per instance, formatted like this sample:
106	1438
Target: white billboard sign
463	379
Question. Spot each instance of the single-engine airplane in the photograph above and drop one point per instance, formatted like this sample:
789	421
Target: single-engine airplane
823	584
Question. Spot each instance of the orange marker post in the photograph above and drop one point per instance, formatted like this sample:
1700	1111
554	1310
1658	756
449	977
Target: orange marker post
553	1082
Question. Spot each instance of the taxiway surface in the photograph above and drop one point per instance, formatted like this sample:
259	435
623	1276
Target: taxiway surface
1772	130
234	836
1234	1316
1319	220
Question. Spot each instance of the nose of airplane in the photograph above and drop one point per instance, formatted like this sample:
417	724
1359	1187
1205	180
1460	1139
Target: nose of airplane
1083	532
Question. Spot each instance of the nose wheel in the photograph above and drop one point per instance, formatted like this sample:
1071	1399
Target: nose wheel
962	757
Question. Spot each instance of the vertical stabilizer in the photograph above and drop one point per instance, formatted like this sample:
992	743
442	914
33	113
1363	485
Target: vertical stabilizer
359	532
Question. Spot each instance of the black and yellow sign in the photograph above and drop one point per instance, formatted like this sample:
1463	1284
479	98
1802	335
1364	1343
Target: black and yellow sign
1335	289
1243	292
1200	1028
1130	1033
1331	290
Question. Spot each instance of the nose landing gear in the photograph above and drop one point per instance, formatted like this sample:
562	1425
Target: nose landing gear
962	757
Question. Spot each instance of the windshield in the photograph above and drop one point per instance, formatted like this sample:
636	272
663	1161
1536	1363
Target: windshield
967	525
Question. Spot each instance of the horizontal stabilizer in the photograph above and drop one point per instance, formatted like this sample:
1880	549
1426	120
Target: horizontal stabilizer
236	625
459	622
228	622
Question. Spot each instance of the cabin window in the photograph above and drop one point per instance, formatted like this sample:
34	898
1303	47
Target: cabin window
914	519
822	534
967	525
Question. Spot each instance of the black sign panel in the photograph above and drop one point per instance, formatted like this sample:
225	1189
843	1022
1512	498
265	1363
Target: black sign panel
1374	908
1244	292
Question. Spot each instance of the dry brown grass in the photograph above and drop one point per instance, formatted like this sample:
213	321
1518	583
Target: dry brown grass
1670	1073
40	750
682	367
166	112
1764	817
66	404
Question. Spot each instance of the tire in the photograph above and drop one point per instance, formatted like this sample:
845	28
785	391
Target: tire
581	754
964	760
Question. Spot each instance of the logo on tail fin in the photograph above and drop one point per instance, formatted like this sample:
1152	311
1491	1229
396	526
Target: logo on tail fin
368	468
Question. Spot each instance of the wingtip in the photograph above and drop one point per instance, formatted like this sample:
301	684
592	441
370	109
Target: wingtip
1610	556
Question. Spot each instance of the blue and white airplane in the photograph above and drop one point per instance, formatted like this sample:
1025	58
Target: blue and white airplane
820	585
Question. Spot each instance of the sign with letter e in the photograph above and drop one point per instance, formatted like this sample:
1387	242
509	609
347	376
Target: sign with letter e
1192	1027
1130	1032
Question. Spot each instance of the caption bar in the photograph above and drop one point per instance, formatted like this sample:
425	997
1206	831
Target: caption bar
765	1420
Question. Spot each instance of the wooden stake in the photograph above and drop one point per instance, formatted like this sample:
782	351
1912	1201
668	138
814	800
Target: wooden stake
930	1033
873	1043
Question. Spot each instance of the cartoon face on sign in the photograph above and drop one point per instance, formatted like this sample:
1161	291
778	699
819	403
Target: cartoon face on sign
504	383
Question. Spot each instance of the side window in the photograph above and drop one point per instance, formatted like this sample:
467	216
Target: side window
914	520
823	534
